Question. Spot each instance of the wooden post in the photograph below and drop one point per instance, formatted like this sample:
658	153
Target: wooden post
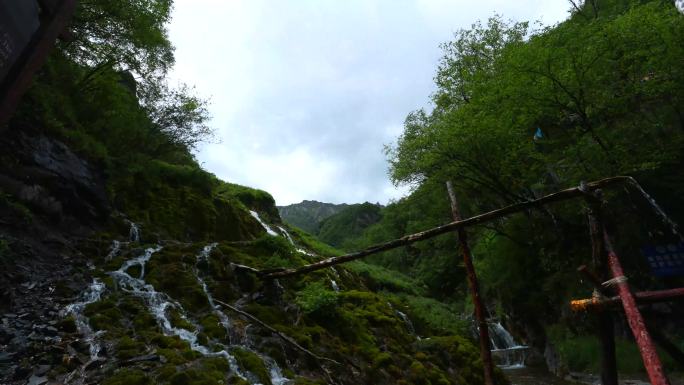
652	363
480	314
606	332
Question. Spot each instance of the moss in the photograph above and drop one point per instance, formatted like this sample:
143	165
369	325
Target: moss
128	348
178	321
198	377
172	356
104	314
67	325
178	280
128	377
381	360
252	363
212	327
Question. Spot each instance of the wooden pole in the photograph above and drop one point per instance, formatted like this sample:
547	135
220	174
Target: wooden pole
480	313
606	329
652	363
559	196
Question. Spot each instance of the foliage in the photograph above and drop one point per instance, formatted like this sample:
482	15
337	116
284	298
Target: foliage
317	299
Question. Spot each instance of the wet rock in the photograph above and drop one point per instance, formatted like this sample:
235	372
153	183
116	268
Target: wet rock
6	357
37	380
41	370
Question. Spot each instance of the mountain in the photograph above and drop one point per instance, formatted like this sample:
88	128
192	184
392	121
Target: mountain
308	215
348	223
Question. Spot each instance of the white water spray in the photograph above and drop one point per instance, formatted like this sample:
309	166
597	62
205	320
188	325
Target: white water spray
266	227
114	250
134	232
507	353
91	295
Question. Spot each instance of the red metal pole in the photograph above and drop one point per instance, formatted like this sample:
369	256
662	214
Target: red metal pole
480	314
652	363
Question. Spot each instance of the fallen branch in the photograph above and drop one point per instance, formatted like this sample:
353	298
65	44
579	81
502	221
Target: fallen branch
559	196
284	337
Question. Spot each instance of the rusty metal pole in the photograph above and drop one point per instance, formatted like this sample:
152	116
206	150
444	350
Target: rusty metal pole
606	330
480	314
652	363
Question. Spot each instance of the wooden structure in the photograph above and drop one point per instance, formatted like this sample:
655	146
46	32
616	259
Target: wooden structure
604	258
28	31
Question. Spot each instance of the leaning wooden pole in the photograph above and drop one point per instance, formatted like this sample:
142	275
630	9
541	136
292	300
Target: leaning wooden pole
559	196
480	314
606	332
652	363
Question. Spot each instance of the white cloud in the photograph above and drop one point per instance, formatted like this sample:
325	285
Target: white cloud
306	92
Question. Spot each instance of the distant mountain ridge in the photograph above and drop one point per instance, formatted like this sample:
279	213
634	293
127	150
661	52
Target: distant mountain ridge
308	215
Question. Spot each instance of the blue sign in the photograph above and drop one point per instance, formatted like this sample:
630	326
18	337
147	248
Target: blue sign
665	260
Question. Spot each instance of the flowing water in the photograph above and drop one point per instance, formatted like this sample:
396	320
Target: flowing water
91	295
506	352
407	322
134	232
266	227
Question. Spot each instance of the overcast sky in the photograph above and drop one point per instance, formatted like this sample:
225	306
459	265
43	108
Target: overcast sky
305	93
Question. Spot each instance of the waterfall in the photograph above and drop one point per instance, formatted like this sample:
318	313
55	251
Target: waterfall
287	235
407	321
113	251
134	232
289	238
223	318
506	352
274	370
334	285
158	305
90	295
266	227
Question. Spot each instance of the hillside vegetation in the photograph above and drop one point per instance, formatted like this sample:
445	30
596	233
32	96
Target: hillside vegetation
522	111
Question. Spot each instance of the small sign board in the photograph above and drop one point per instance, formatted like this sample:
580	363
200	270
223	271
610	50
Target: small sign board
665	260
19	20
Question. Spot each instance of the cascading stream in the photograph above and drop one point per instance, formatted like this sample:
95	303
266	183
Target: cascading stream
507	353
266	227
275	372
134	232
158	304
91	295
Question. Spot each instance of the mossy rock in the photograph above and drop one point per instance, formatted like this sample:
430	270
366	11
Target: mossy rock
253	363
128	377
127	348
212	327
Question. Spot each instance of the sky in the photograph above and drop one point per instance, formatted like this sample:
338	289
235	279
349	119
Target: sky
305	94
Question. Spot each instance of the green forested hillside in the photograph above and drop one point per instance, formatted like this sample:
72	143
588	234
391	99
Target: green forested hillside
308	215
348	223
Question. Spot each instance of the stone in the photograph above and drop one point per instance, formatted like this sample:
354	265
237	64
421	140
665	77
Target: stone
41	370
37	380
